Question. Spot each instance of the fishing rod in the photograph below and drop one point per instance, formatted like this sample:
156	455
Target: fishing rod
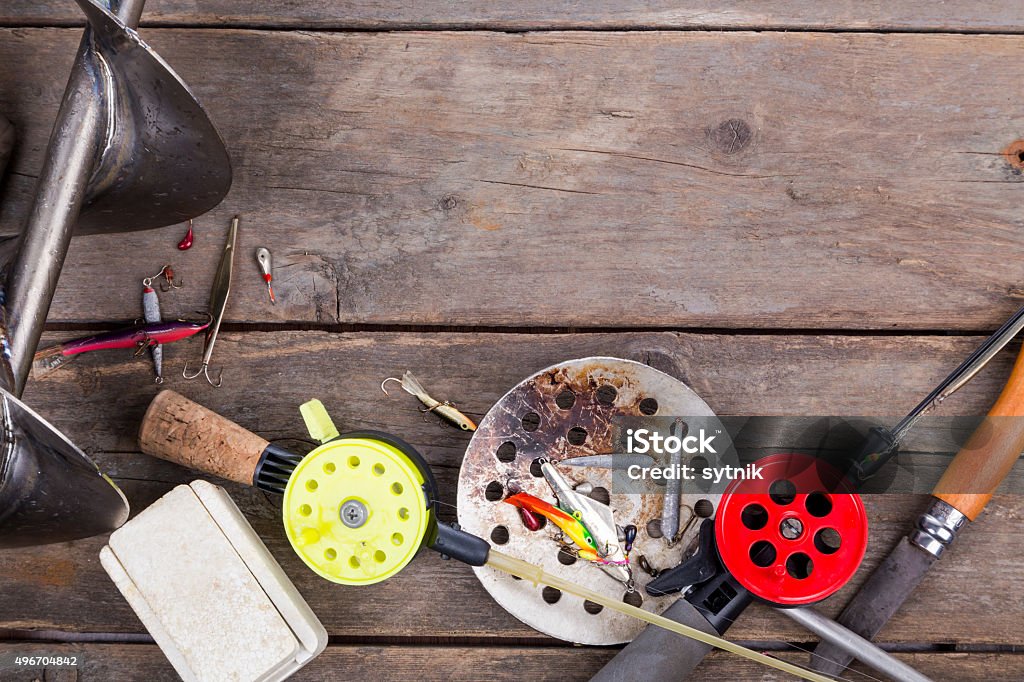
361	505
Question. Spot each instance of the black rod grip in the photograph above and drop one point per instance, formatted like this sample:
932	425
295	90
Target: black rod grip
454	543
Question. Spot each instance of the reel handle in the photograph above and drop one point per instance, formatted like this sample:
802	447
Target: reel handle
992	450
186	433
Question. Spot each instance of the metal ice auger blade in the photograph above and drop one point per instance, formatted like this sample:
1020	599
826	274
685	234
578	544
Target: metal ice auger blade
162	161
131	149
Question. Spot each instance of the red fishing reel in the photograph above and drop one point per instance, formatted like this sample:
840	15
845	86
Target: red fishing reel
795	536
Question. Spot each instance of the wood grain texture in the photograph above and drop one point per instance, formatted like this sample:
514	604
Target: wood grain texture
1000	15
803	180
267	375
62	587
461	663
975	473
179	430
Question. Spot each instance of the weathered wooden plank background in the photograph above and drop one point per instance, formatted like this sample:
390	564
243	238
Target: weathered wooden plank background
906	15
779	180
816	193
109	661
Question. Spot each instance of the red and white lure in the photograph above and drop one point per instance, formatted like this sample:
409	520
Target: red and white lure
266	267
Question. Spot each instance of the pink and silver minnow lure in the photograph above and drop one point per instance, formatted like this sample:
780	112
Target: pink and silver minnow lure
139	337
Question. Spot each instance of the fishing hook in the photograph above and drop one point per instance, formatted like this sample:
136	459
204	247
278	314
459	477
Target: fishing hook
167	272
170	281
205	368
384	383
205	371
141	346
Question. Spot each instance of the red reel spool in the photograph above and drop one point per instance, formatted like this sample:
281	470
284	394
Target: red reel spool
787	540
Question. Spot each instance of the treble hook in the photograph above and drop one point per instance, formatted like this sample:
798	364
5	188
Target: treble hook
142	345
169	280
205	371
384	383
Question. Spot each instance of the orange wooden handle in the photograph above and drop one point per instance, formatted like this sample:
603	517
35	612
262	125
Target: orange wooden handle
186	433
990	453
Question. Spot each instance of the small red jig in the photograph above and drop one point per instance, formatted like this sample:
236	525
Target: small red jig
186	242
530	520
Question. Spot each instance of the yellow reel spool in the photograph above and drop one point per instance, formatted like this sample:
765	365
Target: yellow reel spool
355	510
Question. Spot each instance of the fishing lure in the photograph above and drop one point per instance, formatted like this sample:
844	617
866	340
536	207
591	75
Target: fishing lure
572	527
169	282
447	410
645	565
139	337
531	520
628	538
219	292
673	488
266	267
151	314
598	519
186	242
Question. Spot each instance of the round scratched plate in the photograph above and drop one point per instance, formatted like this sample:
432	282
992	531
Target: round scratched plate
546	416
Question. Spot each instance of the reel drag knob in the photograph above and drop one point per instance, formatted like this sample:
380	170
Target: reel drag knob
796	536
357	508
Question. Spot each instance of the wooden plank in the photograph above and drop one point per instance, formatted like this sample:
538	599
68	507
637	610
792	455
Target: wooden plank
799	180
268	374
145	661
907	15
64	588
99	400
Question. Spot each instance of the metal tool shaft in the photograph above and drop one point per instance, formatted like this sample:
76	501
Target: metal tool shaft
221	291
853	644
62	191
964	373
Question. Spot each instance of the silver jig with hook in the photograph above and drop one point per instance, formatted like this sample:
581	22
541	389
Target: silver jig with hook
151	314
218	305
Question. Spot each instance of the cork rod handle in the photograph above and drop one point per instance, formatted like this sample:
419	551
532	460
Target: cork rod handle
990	453
186	433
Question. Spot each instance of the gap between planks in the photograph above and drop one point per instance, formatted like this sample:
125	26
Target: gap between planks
512	29
33	637
363	328
102	661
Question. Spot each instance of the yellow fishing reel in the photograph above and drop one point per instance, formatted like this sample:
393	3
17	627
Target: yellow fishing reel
357	508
